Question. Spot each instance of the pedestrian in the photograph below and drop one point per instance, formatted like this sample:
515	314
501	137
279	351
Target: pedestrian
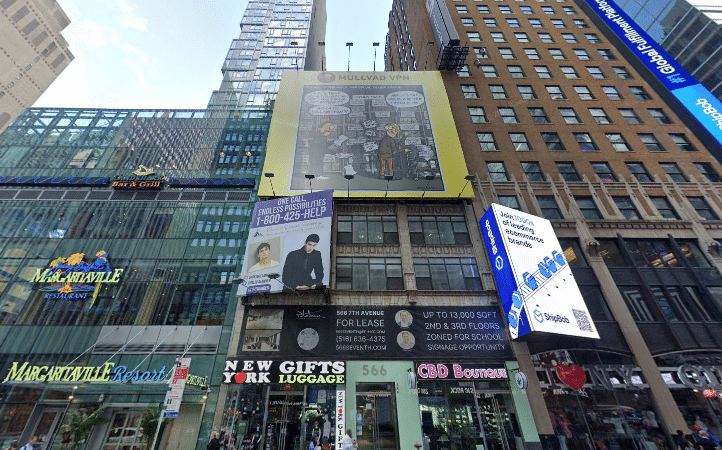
214	443
348	441
31	444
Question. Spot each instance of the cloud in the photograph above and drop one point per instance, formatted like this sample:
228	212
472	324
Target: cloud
85	35
129	19
132	50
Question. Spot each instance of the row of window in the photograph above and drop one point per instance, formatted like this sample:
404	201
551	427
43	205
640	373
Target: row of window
513	22
522	37
569	115
555	92
555	53
506	9
423	230
568	171
553	142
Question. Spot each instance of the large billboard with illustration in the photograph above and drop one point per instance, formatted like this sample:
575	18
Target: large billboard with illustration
364	134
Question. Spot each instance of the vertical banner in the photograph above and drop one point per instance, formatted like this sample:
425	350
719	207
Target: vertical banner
536	285
176	386
340	417
289	244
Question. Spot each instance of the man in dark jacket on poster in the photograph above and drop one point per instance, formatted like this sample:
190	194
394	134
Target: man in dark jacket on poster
301	263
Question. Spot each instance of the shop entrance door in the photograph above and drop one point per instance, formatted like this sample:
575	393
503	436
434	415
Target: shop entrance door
376	407
496	420
47	425
283	423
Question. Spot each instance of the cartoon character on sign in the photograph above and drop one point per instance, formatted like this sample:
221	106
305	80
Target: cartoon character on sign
390	148
317	149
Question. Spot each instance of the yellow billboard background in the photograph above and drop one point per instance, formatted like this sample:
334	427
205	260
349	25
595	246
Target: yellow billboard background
333	124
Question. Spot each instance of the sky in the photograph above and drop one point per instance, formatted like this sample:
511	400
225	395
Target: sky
165	54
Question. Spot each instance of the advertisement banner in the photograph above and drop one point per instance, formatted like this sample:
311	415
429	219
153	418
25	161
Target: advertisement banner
696	98
176	386
374	332
238	371
288	244
364	134
536	286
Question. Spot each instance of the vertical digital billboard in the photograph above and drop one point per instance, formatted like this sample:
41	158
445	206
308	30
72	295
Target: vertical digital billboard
536	285
288	245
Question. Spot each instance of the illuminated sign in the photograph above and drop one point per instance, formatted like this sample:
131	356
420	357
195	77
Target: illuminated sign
695	97
142	178
536	286
54	181
452	372
291	372
107	372
195	380
74	279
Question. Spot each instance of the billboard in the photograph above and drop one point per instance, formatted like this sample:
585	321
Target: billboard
382	332
176	386
536	286
288	245
352	130
696	98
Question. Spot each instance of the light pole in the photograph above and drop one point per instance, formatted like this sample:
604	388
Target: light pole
349	45
375	44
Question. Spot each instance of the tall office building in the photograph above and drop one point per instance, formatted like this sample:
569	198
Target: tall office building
33	53
275	36
554	121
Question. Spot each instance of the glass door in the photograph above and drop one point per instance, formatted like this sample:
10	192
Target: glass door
497	419
377	425
283	423
47	426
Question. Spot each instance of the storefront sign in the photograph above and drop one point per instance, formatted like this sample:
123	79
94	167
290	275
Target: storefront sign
288	244
176	386
108	372
194	380
284	372
382	332
536	285
454	372
74	279
340	417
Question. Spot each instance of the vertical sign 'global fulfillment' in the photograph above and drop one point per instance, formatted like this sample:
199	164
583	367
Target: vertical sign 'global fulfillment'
536	286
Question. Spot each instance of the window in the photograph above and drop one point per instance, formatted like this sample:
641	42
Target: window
486	141
682	142
640	93
483	9
557	53
477	114
584	93
553	141
568	171
607	54
702	207
558	23
508	115
532	170
618	142
538	115
588	208
490	22
547	9
124	431
536	23
569	10
612	92
473	36
506	53
569	115
626	207
570	38
516	71
665	208
585	142
532	53
527	92
592	38
463	72
365	274
543	71
469	22
469	91
651	142
708	171
504	9
498	92
432	230
461	9
510	201
519	141
659	116
549	207
569	72
629	115
595	72
480	52
513	23
489	71
521	37
447	274
546	38
497	171
674	172
639	171
367	230
526	10
498	37
622	73
637	304
581	54
599	115
604	171
581	24
555	92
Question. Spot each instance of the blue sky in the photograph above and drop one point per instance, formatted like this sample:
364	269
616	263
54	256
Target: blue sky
168	54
